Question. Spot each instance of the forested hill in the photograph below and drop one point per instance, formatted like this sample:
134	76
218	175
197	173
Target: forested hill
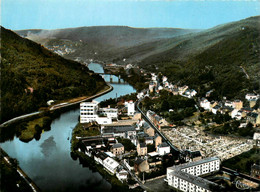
104	43
31	75
225	58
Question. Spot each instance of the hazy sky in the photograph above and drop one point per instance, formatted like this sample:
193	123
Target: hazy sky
52	14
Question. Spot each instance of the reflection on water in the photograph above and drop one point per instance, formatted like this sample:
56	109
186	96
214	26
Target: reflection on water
48	162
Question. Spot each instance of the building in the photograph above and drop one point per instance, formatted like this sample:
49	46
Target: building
149	131
255	171
141	165
251	96
193	155
185	176
205	104
124	131
256	139
122	174
141	149
157	140
163	149
130	108
253	118
111	165
89	112
117	149
148	140
237	104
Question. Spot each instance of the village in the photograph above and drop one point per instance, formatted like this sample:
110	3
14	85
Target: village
130	147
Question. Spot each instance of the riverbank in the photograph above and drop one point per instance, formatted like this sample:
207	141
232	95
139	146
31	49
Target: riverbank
39	158
14	178
31	127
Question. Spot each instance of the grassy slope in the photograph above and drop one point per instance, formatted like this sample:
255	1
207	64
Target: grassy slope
27	64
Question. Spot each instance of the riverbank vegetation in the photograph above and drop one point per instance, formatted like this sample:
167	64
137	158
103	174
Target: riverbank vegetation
32	75
82	130
10	179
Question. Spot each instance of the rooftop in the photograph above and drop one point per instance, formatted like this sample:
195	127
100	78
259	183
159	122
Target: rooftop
204	183
118	129
117	145
194	163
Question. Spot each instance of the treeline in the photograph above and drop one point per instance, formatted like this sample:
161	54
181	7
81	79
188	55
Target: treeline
172	107
32	75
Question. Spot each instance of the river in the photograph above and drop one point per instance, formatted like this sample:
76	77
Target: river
48	162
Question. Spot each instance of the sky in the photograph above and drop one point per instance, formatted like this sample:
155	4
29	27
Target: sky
54	14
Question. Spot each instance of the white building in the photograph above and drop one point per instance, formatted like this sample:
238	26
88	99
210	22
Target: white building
251	96
185	177
122	175
110	164
130	108
89	111
163	149
205	104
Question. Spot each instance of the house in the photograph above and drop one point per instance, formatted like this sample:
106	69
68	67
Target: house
253	118
91	126
130	105
252	96
216	109
141	165
228	103
255	171
148	140
121	174
205	104
209	93
124	131
117	149
226	109
256	139
175	91
212	105
193	155
149	131
111	165
157	140
163	149
237	104
141	149
99	157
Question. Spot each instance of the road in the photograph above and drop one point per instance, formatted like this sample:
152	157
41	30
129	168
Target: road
58	106
20	117
155	128
135	177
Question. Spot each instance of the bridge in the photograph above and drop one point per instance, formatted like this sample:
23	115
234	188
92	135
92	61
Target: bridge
120	81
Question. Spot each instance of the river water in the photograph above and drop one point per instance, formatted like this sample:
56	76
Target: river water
48	162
